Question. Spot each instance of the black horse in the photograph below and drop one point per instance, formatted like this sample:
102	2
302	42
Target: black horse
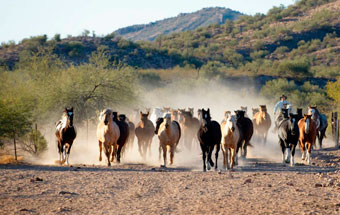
288	132
209	136
246	129
124	132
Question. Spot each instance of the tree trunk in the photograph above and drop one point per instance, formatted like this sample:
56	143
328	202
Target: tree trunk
15	147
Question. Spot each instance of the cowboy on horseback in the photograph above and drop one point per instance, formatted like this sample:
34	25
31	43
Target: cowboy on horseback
282	104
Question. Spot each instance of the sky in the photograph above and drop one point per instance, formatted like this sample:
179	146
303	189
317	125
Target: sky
21	19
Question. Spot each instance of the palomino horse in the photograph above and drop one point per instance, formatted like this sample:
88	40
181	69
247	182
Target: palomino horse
321	123
108	134
230	136
66	133
124	134
169	134
288	133
262	123
226	116
209	136
307	128
144	132
190	126
246	128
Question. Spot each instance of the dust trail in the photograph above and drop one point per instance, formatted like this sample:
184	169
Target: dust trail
198	94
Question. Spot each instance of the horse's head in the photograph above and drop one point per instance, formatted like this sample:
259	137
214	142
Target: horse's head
307	118
191	111
206	119
167	120
231	122
115	116
226	114
294	129
255	110
239	114
68	113
174	114
105	116
299	112
244	108
313	111
122	117
166	109
144	117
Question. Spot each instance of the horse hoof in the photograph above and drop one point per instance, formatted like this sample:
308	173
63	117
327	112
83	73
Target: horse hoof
204	170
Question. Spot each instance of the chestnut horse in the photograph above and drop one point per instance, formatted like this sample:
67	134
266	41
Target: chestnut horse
144	132
262	123
230	136
307	128
108	134
209	136
321	123
169	134
66	133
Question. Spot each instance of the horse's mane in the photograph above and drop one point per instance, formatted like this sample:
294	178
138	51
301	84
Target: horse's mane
104	112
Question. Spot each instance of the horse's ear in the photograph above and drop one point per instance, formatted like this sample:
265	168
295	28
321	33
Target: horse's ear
208	110
148	113
71	109
140	113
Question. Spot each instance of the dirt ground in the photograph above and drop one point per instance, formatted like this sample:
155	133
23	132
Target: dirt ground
257	186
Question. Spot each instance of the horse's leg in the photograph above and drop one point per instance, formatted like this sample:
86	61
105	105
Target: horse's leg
287	152
149	146
109	151
292	155
68	152
164	154
140	147
59	150
245	145
320	138
232	152
217	150
282	149
204	157
302	148
100	150
265	137
160	151
309	151
172	152
118	153
225	157
210	162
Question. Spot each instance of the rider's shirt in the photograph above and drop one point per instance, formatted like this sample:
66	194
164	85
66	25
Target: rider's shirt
282	104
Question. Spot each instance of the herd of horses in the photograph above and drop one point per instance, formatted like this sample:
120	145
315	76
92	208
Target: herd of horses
116	133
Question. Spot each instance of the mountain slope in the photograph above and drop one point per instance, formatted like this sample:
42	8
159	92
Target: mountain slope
180	23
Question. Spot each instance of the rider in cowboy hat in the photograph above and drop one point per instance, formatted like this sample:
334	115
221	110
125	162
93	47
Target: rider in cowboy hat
283	103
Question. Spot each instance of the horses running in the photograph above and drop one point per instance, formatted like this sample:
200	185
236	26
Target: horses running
190	126
308	132
246	128
66	133
144	132
108	134
262	123
169	134
230	137
209	136
288	132
321	123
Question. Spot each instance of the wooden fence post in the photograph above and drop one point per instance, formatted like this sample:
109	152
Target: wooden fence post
335	128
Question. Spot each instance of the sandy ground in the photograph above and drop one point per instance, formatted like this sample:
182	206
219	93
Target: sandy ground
259	185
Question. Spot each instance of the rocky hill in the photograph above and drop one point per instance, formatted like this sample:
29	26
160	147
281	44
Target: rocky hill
180	23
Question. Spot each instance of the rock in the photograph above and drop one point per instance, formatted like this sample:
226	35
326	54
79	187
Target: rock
219	172
38	179
269	185
318	185
247	181
338	184
67	193
290	184
331	182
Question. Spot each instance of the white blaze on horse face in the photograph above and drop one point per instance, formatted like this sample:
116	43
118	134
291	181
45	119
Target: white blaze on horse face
307	126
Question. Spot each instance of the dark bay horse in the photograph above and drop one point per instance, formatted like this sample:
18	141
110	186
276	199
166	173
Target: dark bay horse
190	126
209	136
321	123
124	134
246	129
288	132
66	133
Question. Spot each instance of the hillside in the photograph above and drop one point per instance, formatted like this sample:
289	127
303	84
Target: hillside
180	23
301	40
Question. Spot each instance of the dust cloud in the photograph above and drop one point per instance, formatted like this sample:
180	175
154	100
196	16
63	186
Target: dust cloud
182	94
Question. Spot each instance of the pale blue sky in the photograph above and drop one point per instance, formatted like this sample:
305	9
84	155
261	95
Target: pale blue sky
24	18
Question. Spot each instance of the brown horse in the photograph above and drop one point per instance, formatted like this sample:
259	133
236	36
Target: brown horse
144	132
262	123
169	134
174	114
108	134
190	126
307	137
66	133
